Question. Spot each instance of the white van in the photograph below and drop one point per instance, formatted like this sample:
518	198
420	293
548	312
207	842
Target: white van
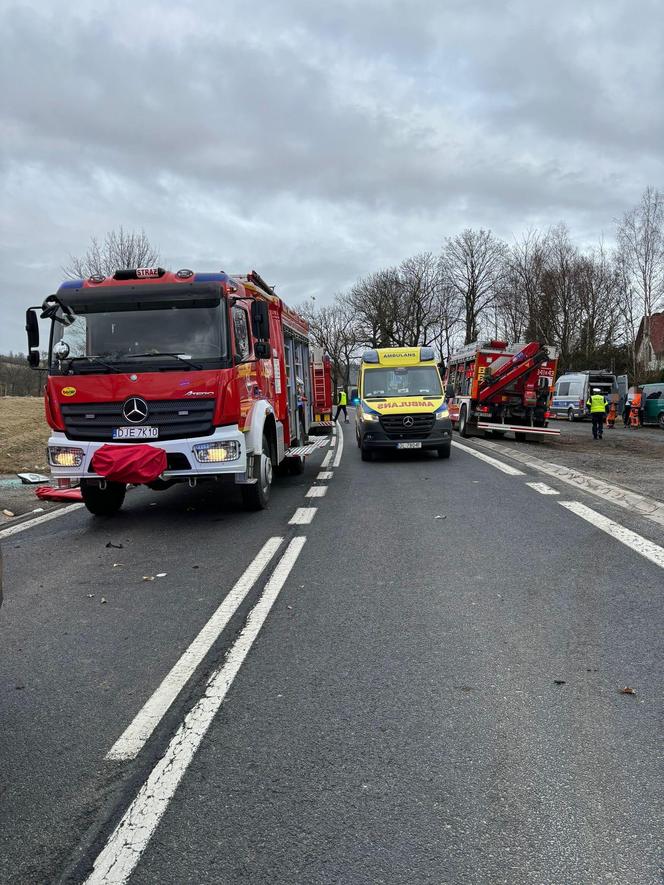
573	389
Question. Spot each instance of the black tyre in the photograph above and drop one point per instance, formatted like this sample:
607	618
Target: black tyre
570	415
463	422
367	454
103	502
444	451
295	465
520	437
257	495
660	420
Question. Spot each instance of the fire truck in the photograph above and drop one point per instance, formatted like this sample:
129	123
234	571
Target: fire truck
157	378
321	386
496	387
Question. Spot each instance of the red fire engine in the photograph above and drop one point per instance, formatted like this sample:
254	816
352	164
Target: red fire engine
321	385
158	377
497	387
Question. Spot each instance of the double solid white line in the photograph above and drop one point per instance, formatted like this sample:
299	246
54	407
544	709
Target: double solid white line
132	740
120	855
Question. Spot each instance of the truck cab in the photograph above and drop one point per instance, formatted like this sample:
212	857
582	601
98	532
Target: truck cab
401	403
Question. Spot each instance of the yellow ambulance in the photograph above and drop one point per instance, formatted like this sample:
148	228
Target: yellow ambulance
401	403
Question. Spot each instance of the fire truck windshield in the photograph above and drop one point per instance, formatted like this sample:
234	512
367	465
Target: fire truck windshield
141	340
407	381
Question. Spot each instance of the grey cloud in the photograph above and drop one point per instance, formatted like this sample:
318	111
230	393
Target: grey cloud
313	141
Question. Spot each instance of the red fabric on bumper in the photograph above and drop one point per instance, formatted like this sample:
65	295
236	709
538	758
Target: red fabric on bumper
47	493
135	464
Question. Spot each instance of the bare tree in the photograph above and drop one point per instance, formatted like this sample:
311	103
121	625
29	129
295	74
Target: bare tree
120	250
374	302
473	264
641	243
332	328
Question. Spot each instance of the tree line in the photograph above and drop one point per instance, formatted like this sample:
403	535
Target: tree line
587	302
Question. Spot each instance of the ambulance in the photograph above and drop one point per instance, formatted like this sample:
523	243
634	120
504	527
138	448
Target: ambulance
401	403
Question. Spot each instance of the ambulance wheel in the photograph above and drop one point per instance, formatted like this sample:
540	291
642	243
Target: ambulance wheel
295	465
463	422
103	502
444	451
257	495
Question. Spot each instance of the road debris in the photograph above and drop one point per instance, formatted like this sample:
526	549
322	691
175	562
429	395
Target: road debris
148	577
117	546
103	600
627	690
117	565
559	682
161	574
8	513
30	478
440	517
91	596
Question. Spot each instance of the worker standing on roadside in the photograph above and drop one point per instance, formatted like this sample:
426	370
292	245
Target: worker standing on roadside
598	405
342	402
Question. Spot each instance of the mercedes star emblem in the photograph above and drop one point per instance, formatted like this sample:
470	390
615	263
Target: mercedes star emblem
135	410
408	421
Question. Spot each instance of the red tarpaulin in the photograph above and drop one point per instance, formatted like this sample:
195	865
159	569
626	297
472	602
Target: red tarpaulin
47	493
136	463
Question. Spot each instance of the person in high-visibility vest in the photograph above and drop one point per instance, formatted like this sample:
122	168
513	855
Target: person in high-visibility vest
342	402
598	405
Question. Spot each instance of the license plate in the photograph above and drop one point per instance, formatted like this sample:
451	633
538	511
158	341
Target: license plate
136	432
410	445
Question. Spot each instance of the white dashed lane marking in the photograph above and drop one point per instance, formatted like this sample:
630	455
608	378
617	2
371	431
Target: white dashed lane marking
542	488
325	474
302	516
316	492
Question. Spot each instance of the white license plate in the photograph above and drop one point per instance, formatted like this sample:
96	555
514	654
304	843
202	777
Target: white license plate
413	445
136	432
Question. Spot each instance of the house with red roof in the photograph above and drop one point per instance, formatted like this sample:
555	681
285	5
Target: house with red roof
650	349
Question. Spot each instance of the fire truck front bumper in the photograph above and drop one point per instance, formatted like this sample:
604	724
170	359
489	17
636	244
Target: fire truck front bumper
222	453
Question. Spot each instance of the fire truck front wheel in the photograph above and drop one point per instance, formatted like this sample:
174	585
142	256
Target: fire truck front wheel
103	501
257	495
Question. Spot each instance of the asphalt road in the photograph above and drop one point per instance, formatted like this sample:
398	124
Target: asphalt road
426	689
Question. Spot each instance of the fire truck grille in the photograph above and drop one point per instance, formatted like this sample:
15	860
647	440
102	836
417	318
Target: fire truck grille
175	418
394	426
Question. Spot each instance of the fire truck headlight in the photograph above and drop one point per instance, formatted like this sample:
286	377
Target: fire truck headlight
65	456
213	453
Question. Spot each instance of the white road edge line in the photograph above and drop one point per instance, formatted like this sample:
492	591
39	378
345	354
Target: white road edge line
303	516
134	737
635	542
340	448
22	526
316	492
542	488
499	465
325	474
326	460
117	860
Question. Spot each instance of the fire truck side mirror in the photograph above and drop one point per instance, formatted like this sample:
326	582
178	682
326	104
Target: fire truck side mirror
32	328
262	350
260	320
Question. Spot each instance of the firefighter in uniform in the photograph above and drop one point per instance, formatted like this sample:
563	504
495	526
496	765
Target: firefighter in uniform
342	402
598	406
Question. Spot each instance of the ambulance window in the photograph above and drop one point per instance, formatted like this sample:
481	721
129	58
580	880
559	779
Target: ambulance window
241	333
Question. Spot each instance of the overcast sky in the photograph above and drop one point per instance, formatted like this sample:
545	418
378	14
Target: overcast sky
316	141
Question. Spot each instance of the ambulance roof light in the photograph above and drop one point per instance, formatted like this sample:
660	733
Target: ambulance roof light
426	353
370	356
